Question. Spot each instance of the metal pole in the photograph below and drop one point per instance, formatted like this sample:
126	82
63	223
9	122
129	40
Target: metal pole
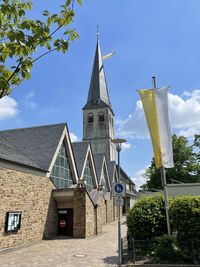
163	177
119	219
154	82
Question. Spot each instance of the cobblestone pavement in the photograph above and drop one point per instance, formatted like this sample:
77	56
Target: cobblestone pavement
96	251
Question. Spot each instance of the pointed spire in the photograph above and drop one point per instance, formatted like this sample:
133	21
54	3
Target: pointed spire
98	91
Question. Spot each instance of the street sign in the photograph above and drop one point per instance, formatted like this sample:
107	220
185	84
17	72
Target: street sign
119	190
118	201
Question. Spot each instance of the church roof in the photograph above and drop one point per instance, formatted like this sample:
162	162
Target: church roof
98	160
98	92
111	170
124	176
33	147
80	152
10	153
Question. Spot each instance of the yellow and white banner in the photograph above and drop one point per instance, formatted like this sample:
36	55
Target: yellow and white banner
155	104
108	55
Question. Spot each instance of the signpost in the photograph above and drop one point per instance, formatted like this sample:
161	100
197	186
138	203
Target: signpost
119	190
118	201
118	194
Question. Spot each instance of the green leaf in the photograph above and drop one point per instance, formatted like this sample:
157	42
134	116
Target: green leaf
45	13
68	2
79	2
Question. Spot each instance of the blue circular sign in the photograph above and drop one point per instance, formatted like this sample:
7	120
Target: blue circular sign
119	188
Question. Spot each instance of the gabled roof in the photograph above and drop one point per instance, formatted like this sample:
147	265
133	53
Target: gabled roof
98	92
100	163
98	160
112	171
80	152
34	146
10	153
124	176
83	152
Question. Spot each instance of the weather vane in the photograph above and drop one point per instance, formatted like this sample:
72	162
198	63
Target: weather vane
98	27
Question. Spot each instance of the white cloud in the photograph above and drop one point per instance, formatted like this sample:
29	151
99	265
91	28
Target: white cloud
29	102
185	113
184	116
135	125
73	137
8	108
138	177
126	146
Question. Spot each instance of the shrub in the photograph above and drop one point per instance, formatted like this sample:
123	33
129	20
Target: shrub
166	250
146	219
185	218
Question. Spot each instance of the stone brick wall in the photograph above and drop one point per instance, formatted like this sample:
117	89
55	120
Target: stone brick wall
79	220
30	194
51	224
91	221
110	209
101	214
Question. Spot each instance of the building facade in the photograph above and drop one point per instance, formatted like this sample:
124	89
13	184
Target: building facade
50	186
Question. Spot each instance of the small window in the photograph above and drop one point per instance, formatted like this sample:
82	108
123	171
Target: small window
13	221
101	117
90	118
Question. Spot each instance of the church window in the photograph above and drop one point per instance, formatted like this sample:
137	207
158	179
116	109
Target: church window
88	177
61	174
90	118
104	183
101	117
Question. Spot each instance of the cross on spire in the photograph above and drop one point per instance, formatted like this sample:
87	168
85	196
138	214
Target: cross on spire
98	27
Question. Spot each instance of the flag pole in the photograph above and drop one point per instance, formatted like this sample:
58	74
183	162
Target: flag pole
164	183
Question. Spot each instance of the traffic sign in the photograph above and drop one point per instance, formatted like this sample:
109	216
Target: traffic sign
118	201
62	223
119	190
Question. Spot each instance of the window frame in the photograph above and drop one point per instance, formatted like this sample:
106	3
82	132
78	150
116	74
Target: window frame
90	118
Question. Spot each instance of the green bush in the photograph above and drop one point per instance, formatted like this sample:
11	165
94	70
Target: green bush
146	219
185	219
166	250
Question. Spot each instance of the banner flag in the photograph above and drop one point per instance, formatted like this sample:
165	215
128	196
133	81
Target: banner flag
108	55
155	104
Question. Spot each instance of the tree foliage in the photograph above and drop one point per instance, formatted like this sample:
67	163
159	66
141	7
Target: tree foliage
20	38
196	145
186	166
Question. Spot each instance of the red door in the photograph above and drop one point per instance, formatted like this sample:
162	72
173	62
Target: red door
65	222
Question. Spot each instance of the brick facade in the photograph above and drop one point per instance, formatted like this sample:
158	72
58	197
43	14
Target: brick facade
91	218
30	194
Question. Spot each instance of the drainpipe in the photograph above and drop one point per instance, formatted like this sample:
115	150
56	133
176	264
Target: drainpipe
96	218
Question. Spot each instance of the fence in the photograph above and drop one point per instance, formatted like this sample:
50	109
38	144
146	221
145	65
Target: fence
141	251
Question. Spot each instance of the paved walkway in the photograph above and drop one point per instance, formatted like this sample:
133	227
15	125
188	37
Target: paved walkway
96	251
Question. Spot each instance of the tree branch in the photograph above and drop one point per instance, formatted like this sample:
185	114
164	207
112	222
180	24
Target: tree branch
57	28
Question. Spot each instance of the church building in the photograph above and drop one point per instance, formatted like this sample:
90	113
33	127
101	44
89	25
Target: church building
50	186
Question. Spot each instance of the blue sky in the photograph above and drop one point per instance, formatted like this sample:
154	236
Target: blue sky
150	38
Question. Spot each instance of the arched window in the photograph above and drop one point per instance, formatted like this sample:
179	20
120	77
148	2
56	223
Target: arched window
90	118
101	117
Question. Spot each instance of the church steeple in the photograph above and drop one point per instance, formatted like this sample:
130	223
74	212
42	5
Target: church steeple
98	117
98	92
